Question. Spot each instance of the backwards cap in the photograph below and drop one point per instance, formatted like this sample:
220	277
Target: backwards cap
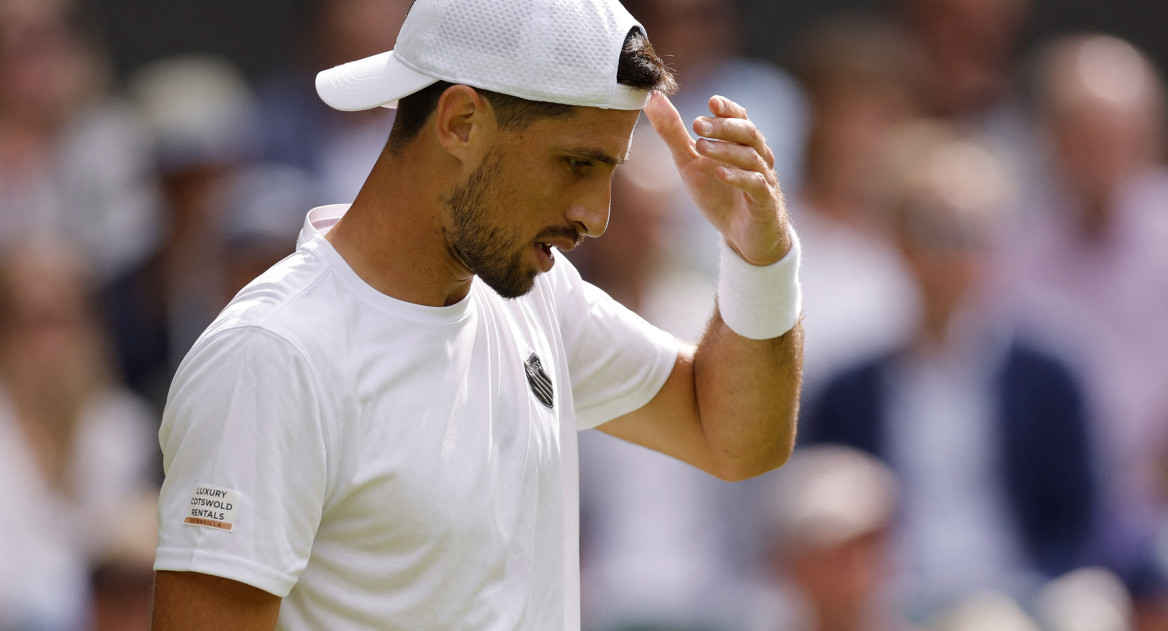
559	51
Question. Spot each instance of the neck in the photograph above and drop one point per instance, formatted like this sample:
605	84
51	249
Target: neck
392	236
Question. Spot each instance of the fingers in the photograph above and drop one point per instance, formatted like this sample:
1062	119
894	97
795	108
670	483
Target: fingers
737	156
730	124
757	186
724	107
731	148
669	126
732	141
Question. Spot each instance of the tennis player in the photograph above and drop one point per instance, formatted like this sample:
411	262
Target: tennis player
379	432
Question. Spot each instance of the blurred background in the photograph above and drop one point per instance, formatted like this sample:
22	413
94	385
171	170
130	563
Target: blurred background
981	193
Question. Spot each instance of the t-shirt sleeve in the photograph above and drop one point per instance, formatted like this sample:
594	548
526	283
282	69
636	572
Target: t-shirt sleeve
244	453
618	361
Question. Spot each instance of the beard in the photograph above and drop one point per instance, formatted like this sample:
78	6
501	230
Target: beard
492	253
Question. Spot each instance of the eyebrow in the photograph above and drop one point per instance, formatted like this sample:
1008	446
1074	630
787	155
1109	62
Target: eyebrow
597	155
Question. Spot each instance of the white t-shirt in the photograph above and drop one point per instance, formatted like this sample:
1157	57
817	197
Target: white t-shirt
385	465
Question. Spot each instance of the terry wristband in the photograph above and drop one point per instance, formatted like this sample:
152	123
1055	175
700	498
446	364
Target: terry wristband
760	302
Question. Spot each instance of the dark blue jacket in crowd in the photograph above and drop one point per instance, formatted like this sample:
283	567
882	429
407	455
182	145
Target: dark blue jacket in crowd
1050	480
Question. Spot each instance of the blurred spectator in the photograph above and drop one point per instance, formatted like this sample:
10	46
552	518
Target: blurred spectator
122	576
337	148
862	77
1091	270
701	40
75	448
73	162
201	113
971	49
830	513
987	432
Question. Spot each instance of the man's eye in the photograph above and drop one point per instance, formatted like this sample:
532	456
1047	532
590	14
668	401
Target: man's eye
578	165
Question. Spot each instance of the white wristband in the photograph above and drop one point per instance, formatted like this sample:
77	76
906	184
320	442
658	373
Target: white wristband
760	302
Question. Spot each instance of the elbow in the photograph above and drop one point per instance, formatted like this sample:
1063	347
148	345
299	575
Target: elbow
753	444
737	469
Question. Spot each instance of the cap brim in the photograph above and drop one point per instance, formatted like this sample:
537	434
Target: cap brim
364	84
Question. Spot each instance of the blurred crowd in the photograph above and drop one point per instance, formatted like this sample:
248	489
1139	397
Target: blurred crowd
984	425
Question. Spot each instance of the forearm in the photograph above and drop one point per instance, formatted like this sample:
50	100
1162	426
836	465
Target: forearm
731	404
747	395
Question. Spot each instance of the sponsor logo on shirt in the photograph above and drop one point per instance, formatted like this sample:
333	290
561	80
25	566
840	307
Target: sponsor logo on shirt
538	379
213	507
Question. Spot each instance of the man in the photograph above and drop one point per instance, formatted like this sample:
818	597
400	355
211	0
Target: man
379	431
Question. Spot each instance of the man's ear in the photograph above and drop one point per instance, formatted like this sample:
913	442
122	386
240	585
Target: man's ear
464	122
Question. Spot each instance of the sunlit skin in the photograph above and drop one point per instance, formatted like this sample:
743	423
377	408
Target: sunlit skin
547	186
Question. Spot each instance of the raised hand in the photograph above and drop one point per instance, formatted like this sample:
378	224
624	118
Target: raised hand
730	172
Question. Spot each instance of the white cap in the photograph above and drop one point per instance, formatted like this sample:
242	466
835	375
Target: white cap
542	50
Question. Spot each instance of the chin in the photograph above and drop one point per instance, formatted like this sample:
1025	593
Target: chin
511	287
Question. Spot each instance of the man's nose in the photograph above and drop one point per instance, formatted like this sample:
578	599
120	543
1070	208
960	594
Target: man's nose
592	213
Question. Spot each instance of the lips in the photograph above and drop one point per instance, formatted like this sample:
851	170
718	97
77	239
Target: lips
564	240
545	256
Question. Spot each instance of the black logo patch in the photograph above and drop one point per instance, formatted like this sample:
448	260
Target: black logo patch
541	384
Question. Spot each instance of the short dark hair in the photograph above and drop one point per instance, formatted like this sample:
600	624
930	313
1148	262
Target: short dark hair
639	67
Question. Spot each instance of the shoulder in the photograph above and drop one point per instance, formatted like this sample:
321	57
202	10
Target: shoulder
247	379
249	359
850	409
276	327
857	390
285	283
291	301
1039	385
1035	364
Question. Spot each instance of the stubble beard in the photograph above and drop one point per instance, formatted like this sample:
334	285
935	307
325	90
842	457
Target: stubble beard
487	250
